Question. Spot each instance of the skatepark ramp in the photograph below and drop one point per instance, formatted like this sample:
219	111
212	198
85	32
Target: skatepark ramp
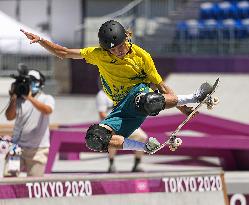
188	188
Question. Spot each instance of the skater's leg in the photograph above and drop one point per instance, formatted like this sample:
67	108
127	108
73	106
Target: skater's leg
141	136
119	142
138	135
195	97
99	138
152	103
185	99
172	100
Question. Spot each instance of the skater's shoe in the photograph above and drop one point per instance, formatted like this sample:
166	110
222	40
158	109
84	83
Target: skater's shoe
203	91
151	145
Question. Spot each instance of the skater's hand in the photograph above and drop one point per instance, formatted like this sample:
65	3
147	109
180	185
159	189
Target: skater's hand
32	37
187	110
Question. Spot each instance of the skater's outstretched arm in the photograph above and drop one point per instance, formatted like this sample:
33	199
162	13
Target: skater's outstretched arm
55	49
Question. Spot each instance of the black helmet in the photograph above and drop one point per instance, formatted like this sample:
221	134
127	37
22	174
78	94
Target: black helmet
111	34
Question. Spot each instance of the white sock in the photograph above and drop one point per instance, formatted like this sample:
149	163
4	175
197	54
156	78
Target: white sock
185	99
133	145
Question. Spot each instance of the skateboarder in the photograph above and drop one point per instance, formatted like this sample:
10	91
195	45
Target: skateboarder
126	71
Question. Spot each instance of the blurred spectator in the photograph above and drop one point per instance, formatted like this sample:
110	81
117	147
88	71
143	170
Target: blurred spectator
31	129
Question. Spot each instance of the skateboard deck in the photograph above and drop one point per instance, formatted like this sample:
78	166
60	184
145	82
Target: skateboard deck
174	142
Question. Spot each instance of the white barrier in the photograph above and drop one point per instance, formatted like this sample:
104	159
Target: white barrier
188	188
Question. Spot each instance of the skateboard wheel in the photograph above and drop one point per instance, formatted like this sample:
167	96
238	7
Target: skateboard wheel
212	102
178	141
216	100
172	148
209	107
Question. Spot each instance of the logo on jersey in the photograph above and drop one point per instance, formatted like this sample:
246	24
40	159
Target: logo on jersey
140	76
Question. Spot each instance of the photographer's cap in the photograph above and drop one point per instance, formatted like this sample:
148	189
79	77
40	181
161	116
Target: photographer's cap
35	74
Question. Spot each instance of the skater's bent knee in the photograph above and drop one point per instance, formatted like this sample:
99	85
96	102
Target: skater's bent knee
98	138
150	103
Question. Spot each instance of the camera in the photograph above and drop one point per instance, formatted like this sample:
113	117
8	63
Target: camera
22	81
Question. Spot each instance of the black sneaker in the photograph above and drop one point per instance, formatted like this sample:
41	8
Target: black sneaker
151	145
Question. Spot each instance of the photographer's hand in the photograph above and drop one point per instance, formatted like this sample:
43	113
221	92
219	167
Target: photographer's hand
27	97
42	107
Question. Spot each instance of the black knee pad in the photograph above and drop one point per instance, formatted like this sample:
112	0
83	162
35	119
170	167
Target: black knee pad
150	103
98	138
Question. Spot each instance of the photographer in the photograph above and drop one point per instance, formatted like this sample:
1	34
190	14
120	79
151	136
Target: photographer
30	108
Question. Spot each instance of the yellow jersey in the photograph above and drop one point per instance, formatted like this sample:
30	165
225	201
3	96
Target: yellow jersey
117	75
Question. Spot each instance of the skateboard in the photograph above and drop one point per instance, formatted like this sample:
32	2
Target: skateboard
174	142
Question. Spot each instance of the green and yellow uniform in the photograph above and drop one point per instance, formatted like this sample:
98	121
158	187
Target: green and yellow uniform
122	80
